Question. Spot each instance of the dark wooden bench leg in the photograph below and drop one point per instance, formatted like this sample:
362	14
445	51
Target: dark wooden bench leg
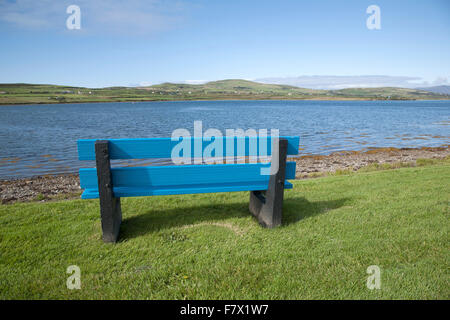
110	211
267	206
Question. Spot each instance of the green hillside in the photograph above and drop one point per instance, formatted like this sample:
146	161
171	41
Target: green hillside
234	89
386	92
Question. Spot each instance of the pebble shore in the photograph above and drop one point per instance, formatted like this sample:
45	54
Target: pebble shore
355	160
51	187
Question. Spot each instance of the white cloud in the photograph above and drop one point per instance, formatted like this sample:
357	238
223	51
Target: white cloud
23	20
143	84
439	81
195	81
28	13
340	82
106	16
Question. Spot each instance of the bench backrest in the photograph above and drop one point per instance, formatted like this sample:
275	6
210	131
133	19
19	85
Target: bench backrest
182	179
162	147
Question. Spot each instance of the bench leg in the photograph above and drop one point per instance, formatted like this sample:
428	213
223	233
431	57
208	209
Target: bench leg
110	210
267	206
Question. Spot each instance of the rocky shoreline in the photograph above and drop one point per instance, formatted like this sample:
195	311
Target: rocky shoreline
40	188
51	187
355	160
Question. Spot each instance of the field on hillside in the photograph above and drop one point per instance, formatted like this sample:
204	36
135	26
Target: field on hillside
208	246
216	90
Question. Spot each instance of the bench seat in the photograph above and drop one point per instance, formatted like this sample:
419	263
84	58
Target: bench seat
167	180
123	192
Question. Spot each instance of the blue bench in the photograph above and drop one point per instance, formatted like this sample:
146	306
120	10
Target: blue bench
109	184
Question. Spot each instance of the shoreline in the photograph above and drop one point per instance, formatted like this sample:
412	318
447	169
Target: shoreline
310	166
67	186
219	99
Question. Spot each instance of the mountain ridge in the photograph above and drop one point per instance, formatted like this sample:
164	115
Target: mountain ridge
228	89
442	89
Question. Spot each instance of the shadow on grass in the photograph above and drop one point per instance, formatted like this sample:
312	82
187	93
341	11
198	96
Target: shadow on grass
294	209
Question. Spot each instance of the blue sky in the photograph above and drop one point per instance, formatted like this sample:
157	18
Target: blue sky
146	42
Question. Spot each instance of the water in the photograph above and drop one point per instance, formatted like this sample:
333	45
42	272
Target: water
41	139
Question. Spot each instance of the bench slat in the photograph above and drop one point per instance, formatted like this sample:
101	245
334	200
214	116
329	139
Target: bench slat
134	181
162	147
140	192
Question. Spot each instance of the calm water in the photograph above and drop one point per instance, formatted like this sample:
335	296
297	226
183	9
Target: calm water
41	139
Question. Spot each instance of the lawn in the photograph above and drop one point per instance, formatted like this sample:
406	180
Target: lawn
208	246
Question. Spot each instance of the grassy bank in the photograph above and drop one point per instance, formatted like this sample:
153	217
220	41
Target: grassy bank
216	90
208	246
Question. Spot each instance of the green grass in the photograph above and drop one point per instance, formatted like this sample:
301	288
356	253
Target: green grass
208	246
20	93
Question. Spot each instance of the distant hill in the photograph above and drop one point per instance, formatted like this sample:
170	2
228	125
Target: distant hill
437	89
386	92
231	89
234	86
245	87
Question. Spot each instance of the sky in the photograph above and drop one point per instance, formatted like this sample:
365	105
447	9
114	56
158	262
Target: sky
323	42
